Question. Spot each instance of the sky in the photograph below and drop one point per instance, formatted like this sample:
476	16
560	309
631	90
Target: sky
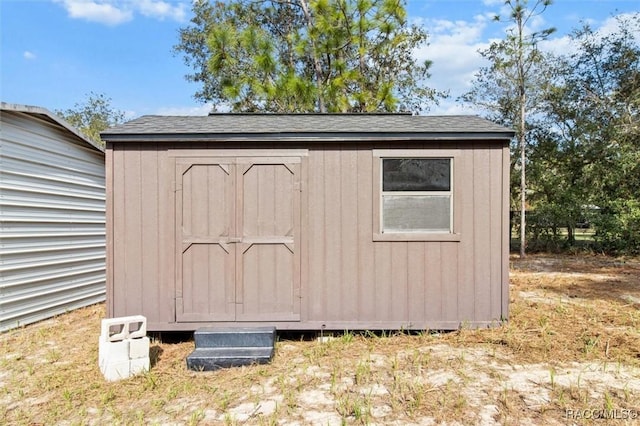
53	53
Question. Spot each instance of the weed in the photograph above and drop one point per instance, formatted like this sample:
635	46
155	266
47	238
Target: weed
108	397
608	402
347	337
353	405
363	372
552	377
196	417
150	381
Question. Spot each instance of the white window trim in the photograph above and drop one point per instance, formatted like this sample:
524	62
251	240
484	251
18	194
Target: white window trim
378	234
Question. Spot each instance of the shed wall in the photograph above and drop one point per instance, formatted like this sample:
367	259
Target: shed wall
348	280
52	220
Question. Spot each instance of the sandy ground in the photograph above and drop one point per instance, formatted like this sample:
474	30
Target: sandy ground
569	355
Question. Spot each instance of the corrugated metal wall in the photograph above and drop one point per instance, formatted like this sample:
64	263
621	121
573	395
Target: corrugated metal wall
52	220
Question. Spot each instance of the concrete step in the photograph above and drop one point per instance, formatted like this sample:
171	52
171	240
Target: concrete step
209	359
241	337
231	347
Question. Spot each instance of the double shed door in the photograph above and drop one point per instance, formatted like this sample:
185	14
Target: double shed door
238	231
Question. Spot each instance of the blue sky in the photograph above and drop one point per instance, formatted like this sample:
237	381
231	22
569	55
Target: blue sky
54	52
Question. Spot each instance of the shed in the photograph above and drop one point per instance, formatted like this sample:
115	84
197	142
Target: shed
52	217
308	221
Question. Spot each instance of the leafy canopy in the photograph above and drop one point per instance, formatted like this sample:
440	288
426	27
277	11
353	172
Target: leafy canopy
306	56
93	116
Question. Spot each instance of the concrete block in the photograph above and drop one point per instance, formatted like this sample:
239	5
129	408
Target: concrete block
140	365
139	348
116	370
123	348
113	352
116	329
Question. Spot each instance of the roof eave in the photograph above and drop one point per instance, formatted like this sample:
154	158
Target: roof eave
36	110
304	137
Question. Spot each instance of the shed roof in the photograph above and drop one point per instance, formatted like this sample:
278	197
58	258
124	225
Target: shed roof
305	127
45	114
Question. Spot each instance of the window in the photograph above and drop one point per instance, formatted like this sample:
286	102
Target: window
415	196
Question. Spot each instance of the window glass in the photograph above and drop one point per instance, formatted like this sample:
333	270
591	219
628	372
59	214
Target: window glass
426	213
416	174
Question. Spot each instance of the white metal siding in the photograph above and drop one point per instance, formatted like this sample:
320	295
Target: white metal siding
52	220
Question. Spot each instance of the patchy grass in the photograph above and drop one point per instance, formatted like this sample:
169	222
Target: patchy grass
572	343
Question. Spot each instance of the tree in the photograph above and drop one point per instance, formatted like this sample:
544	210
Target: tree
306	56
93	116
593	108
507	88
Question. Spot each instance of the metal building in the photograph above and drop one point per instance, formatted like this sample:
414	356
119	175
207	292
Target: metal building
52	217
308	221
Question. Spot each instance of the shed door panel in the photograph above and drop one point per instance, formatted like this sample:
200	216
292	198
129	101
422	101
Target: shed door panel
239	223
268	216
206	260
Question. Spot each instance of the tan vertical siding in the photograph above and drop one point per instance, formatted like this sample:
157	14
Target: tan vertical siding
315	299
133	218
469	197
482	210
150	225
349	232
332	221
506	237
433	286
348	280
365	266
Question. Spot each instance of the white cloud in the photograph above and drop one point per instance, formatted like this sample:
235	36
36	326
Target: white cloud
185	110
116	12
97	11
492	2
611	25
161	10
565	46
30	56
453	48
558	46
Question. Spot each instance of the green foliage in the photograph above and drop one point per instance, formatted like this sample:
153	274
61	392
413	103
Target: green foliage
508	89
306	56
581	134
92	116
590	153
618	227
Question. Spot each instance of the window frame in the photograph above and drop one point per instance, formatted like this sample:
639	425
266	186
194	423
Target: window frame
378	228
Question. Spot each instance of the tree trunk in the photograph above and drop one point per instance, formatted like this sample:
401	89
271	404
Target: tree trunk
523	183
316	62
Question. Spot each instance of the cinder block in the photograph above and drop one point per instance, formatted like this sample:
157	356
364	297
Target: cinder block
139	348
140	324
140	365
124	326
113	371
123	349
113	352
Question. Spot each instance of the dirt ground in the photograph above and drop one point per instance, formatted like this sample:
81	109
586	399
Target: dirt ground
569	354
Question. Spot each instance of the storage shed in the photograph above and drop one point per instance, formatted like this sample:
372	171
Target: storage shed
308	221
52	217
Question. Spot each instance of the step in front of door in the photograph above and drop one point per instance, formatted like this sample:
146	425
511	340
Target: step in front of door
254	337
209	359
217	348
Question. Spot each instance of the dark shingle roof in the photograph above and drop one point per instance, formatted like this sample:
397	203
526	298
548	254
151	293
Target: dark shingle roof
304	126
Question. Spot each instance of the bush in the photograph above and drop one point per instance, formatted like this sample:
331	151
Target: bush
618	227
